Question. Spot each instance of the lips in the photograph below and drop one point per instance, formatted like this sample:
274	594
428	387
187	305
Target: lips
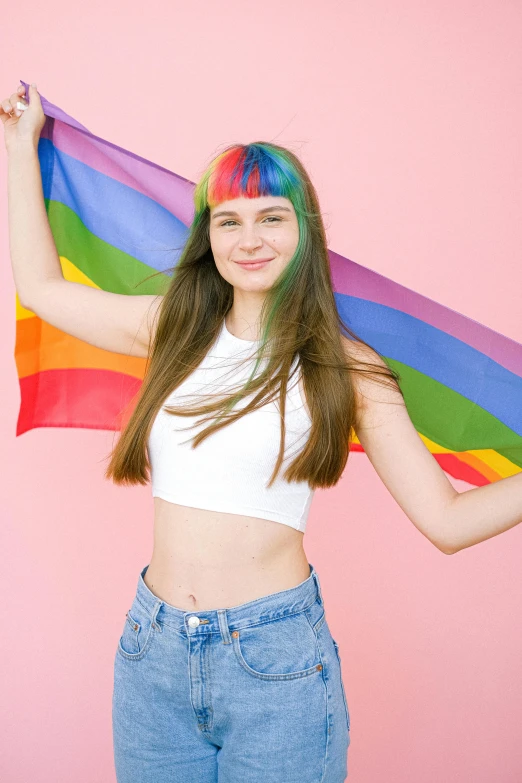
254	266
254	261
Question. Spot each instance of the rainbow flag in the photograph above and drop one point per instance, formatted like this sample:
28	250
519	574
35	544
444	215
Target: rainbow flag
120	222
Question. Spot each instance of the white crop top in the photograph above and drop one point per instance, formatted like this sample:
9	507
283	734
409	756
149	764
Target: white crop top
229	470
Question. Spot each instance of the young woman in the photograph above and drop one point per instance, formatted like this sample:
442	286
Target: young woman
226	668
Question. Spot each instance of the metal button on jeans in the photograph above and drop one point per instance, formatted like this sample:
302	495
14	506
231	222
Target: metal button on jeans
193	621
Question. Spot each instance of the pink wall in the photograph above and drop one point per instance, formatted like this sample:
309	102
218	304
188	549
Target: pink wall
408	118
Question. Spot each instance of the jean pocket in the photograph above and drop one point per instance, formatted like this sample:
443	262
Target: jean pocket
138	633
336	647
281	649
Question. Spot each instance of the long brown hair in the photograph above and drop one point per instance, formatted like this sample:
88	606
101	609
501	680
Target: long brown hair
299	318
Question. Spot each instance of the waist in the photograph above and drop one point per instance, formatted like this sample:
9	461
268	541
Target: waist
222	620
204	559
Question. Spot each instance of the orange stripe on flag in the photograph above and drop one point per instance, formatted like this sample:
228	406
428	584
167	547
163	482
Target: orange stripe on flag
40	346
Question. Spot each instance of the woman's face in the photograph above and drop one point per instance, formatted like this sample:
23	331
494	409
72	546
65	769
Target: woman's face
253	229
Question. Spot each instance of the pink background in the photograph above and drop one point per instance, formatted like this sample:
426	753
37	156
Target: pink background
407	116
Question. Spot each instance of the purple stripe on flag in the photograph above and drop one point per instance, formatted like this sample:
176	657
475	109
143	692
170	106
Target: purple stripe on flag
50	110
172	191
356	280
161	185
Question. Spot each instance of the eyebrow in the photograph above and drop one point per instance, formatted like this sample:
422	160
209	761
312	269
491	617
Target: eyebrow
228	213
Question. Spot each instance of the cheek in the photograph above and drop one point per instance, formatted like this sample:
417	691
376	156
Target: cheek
288	243
219	246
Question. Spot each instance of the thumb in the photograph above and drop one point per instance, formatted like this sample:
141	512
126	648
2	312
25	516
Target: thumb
33	93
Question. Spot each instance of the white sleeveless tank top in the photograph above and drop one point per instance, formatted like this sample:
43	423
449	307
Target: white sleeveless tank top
229	470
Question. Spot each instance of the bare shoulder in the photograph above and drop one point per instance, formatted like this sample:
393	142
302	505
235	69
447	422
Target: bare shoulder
376	390
360	352
151	320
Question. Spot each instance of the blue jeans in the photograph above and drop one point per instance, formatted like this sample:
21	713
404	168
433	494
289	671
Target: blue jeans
249	694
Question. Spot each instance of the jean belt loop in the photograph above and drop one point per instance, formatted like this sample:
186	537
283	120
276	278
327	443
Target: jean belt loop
157	607
223	626
318	584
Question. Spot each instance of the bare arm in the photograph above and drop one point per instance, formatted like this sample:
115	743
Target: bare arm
114	322
483	512
450	520
33	253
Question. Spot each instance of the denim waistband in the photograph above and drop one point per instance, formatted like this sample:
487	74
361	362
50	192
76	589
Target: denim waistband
268	607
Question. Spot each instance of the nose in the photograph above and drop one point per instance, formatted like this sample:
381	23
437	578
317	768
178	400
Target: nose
249	239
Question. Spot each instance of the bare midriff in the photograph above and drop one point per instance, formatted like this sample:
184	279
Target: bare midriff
204	560
211	560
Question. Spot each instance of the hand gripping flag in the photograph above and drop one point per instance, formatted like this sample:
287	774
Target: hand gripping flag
119	223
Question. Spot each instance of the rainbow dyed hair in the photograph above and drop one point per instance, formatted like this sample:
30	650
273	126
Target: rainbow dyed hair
254	170
249	170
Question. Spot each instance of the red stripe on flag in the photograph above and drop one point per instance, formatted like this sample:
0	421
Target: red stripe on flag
86	398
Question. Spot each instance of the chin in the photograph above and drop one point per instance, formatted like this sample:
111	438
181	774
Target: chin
261	287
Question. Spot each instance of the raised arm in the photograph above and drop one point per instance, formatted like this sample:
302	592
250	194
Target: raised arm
114	322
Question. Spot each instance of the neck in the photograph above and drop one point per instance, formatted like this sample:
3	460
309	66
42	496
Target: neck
244	317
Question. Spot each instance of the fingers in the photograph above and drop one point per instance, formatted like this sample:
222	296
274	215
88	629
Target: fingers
6	106
17	102
9	105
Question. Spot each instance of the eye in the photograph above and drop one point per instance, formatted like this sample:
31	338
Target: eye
270	218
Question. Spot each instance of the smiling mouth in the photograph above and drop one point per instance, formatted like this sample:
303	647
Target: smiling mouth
254	261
